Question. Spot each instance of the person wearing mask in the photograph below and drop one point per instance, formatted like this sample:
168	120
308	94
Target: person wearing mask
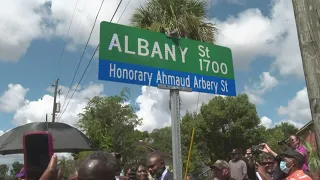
291	164
220	170
157	168
295	144
238	168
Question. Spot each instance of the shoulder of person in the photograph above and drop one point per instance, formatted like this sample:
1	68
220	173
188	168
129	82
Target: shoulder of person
242	161
303	150
169	176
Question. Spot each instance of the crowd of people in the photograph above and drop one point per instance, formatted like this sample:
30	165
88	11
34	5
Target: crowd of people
291	164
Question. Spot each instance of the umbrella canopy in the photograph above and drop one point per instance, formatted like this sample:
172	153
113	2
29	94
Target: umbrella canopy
65	138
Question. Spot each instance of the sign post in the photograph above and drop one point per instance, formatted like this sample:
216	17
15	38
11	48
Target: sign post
176	137
137	56
175	126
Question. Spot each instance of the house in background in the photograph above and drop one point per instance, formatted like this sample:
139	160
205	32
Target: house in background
308	135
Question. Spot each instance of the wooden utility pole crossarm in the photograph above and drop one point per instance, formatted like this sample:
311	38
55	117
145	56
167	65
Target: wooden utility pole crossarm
307	15
54	101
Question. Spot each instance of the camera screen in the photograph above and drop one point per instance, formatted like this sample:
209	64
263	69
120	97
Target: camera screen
37	155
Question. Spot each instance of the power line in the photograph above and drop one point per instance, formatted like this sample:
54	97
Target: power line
117	23
84	50
79	81
65	39
123	11
88	64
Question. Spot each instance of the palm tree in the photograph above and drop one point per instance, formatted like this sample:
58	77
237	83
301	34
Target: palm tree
186	16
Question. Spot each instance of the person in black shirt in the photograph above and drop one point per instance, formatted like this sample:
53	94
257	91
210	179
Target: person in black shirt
249	160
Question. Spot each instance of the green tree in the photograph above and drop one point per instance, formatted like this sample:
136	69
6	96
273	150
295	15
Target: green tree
109	122
197	158
161	139
68	167
228	122
16	168
3	171
278	133
287	129
187	16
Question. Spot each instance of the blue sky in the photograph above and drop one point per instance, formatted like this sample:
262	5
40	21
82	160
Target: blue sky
261	34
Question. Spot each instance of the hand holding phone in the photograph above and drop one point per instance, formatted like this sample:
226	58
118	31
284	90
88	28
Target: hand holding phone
52	172
38	150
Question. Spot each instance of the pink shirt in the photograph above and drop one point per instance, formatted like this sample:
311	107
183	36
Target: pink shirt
304	152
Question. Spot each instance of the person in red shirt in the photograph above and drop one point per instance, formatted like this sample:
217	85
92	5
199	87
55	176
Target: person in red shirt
291	164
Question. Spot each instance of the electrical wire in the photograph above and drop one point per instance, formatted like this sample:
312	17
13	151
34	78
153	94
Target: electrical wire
83	52
88	64
123	11
65	39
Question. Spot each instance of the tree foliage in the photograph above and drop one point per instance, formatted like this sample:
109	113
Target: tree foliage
109	122
188	16
223	123
3	171
228	123
68	166
278	133
161	139
197	157
16	168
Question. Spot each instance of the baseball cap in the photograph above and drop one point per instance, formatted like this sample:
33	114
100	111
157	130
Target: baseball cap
235	151
290	153
220	164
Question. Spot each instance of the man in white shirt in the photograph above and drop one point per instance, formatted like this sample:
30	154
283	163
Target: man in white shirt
238	168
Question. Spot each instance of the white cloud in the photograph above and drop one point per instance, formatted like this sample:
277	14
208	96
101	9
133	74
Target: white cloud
267	83
16	18
51	18
266	122
250	34
154	106
9	159
13	98
35	111
298	110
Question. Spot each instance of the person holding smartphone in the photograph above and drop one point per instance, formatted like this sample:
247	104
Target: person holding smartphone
295	144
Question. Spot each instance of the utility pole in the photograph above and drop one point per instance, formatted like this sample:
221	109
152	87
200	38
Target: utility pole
307	16
54	101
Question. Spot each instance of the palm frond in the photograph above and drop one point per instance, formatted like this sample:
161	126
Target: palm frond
188	16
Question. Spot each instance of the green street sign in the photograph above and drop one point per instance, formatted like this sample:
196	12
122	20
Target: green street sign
138	56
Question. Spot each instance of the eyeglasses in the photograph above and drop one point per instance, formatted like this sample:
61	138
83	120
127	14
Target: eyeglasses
267	163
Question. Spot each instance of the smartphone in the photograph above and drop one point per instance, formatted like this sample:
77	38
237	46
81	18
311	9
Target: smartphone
256	148
38	149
